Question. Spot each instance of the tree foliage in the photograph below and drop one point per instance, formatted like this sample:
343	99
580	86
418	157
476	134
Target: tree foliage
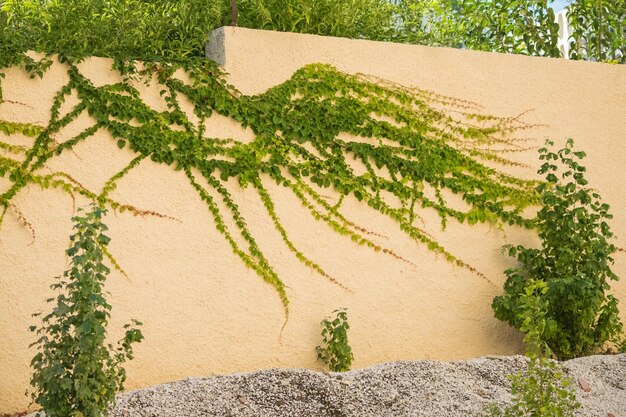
512	26
599	30
176	29
130	29
370	19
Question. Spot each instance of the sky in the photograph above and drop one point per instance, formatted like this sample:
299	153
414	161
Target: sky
559	5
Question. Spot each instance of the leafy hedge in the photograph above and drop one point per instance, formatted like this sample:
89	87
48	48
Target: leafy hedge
177	29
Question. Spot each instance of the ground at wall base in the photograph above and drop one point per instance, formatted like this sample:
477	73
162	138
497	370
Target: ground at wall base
417	388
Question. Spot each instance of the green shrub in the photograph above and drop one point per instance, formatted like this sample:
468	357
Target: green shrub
172	29
574	261
75	372
128	29
369	19
336	353
543	390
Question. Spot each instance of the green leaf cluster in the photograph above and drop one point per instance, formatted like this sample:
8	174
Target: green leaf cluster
513	26
170	29
128	29
369	19
516	26
335	351
308	131
598	30
574	262
76	372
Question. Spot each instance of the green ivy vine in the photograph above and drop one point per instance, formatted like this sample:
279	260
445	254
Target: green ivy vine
419	138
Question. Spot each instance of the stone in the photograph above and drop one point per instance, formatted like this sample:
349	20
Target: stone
584	385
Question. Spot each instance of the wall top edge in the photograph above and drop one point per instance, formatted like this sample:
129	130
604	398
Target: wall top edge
221	39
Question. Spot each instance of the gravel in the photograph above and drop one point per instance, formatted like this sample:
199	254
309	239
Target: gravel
418	388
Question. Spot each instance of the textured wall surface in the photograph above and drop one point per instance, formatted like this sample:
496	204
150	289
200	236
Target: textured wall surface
205	313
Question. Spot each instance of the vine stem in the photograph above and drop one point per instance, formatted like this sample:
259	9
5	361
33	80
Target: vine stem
4	211
23	221
249	259
267	202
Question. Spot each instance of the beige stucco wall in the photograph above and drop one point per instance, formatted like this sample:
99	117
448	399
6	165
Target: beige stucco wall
205	313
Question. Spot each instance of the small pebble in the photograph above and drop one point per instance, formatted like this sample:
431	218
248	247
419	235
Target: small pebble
584	384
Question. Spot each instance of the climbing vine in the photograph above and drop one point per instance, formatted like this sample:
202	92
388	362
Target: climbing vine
309	131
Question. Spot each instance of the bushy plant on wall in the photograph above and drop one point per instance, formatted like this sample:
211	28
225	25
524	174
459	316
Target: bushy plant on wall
574	261
307	132
75	371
